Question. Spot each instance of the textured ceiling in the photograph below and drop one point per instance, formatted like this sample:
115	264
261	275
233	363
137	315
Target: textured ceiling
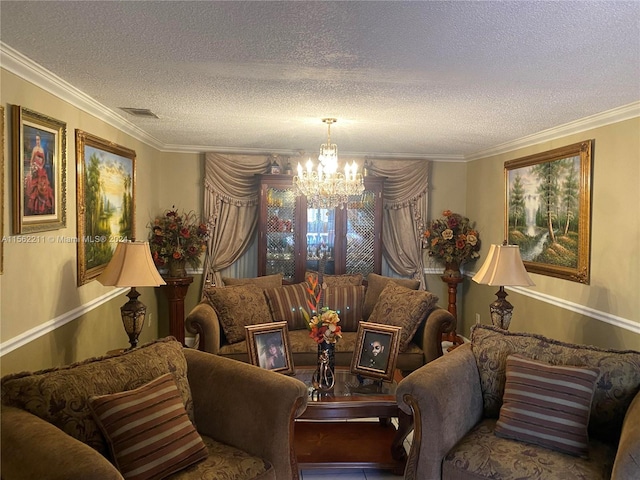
417	78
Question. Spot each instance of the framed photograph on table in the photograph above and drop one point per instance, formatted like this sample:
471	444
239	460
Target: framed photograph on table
39	148
376	351
268	346
105	201
548	210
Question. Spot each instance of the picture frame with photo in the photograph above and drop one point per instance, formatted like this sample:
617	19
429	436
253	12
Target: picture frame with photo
39	151
376	351
548	210
106	200
268	347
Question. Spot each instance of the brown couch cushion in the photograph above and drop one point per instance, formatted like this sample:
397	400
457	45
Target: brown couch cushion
267	281
403	307
61	395
547	405
238	306
375	285
287	303
347	301
148	431
617	384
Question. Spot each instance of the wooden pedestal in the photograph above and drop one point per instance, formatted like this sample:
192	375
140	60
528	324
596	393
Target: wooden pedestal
176	290
452	283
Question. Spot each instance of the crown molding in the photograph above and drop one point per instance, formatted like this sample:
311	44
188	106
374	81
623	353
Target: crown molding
615	115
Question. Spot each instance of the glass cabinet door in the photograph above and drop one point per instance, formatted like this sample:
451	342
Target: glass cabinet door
321	240
280	232
361	234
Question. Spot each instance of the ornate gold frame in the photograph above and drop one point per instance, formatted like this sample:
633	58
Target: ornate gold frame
256	334
1	189
544	180
122	161
358	361
27	126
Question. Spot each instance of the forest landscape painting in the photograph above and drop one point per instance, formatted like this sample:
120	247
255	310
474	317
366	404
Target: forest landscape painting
106	202
548	210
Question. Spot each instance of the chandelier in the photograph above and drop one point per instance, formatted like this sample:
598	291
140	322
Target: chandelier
325	186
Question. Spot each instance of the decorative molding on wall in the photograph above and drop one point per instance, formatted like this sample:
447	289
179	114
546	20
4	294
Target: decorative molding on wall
615	115
559	302
47	327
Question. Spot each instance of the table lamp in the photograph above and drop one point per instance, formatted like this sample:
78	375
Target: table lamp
503	267
132	266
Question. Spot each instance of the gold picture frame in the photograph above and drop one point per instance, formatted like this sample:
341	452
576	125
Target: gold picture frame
39	147
268	347
548	210
376	351
106	185
2	189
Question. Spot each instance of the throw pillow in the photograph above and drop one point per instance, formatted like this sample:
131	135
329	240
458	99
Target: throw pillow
403	307
375	285
618	384
148	431
287	302
267	281
237	307
347	301
60	395
547	405
337	280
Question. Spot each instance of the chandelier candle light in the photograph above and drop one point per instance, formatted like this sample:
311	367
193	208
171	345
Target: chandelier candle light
503	267
326	187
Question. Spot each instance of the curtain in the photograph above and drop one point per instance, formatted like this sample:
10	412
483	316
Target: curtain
405	207
231	208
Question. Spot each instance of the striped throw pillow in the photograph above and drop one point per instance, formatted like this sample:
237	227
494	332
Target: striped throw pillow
347	301
286	304
148	431
547	405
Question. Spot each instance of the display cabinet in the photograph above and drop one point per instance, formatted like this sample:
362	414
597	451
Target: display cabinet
293	238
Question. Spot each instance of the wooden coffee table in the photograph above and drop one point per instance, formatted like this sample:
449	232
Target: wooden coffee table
322	441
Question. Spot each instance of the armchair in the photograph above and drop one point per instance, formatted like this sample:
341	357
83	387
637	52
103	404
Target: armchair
48	431
456	401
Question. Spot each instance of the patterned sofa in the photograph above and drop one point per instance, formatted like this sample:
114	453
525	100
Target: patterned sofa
219	319
52	427
515	405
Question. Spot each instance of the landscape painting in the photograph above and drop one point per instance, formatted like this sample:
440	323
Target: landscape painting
548	210
106	202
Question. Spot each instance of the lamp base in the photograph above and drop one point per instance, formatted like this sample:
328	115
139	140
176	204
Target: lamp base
501	310
133	313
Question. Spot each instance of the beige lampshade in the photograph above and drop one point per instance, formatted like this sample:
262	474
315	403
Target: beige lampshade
131	266
503	267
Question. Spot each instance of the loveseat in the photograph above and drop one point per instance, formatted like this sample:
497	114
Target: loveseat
49	430
219	320
516	405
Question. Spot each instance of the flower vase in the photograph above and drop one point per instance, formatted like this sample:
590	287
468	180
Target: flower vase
177	269
324	377
452	270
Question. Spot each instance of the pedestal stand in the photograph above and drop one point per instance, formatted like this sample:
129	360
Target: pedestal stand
452	283
176	290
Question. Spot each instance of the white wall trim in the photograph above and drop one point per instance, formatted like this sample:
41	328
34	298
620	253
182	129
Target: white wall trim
606	317
47	327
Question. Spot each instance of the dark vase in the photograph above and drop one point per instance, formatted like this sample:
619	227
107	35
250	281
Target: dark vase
452	270
177	269
324	377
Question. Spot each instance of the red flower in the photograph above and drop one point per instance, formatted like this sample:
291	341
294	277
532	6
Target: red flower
184	232
177	255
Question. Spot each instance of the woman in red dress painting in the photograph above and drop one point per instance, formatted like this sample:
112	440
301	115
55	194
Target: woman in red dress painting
38	192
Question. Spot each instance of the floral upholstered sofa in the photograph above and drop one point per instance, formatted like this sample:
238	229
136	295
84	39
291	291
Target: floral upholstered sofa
515	405
220	318
56	423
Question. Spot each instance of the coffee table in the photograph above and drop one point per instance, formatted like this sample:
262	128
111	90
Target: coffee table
321	441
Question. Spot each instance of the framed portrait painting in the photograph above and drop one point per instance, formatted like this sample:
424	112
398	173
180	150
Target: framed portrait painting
376	351
548	210
39	147
268	346
106	179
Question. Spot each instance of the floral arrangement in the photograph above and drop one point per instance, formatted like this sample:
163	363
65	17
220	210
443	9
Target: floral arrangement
452	239
177	236
323	325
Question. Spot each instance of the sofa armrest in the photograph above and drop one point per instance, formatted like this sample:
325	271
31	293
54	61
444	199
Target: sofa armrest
247	407
445	399
34	448
627	462
203	321
429	338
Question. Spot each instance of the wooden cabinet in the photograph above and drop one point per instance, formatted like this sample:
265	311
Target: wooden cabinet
293	238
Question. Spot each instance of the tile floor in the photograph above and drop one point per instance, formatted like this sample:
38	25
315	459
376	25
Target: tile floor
356	473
